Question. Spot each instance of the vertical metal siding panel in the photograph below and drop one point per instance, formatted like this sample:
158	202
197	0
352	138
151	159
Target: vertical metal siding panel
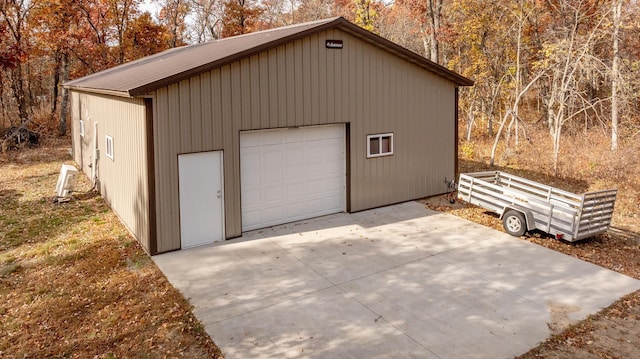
184	119
234	148
233	224
195	98
291	83
255	92
282	62
162	153
217	118
244	75
364	121
299	78
339	74
399	114
417	177
356	128
175	144
332	87
315	86
206	103
272	60
409	153
264	91
322	79
306	81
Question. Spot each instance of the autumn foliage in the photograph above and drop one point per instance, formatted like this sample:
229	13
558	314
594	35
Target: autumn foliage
536	64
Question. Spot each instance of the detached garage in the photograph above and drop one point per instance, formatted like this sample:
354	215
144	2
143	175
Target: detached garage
200	143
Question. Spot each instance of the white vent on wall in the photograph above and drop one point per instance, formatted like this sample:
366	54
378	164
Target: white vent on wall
66	183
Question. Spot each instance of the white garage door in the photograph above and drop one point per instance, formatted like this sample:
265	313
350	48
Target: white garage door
292	174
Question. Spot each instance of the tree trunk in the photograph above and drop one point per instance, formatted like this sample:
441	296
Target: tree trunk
64	101
17	85
615	74
434	13
56	83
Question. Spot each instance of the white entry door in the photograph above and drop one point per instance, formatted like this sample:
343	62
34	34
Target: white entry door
292	174
201	198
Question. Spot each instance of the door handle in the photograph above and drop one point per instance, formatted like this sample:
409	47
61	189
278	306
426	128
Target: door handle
219	194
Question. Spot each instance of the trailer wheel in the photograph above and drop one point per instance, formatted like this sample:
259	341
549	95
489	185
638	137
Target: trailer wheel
514	223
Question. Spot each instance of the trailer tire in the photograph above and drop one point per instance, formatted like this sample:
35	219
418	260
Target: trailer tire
514	223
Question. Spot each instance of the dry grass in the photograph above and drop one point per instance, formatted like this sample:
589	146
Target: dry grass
73	282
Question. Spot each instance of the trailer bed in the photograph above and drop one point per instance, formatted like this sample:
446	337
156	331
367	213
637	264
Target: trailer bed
560	213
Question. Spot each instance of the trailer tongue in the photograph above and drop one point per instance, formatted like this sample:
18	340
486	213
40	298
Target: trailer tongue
525	205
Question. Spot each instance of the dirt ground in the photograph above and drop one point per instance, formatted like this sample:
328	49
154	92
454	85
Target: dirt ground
612	333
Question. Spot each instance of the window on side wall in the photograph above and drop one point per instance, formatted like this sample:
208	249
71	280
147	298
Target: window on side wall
379	145
108	140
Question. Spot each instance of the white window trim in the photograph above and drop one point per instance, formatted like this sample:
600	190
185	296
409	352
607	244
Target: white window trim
108	144
380	153
81	128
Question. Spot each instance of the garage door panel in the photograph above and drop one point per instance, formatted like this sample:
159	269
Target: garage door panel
251	197
300	173
271	175
325	132
295	191
251	218
271	156
293	136
251	140
294	154
271	194
250	160
270	137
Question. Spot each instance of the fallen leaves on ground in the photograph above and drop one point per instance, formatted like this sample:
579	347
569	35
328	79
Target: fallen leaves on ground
73	282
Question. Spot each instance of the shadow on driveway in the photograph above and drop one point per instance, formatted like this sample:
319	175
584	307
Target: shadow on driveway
398	281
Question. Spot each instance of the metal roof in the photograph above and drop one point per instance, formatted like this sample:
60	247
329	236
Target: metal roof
152	72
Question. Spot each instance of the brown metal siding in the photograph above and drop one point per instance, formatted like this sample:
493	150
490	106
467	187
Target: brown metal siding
123	181
303	83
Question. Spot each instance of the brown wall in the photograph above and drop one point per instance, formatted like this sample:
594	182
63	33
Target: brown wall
299	84
122	181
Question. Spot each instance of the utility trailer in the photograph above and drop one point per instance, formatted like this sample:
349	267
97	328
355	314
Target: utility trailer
525	205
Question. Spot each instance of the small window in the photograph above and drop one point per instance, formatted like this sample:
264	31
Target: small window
380	145
81	128
109	146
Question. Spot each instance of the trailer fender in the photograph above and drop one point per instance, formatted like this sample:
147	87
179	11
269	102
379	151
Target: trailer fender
518	215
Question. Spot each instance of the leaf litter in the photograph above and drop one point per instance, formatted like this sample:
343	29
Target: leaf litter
73	282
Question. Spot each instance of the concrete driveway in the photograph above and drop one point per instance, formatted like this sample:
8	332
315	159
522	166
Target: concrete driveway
399	281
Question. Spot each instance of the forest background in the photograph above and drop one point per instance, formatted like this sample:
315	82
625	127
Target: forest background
568	67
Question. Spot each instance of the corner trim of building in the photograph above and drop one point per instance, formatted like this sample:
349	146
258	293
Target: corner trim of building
151	177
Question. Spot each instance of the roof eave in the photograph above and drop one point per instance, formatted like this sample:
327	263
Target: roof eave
409	55
98	91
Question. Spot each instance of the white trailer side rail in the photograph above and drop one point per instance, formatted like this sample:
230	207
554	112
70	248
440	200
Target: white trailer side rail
560	213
